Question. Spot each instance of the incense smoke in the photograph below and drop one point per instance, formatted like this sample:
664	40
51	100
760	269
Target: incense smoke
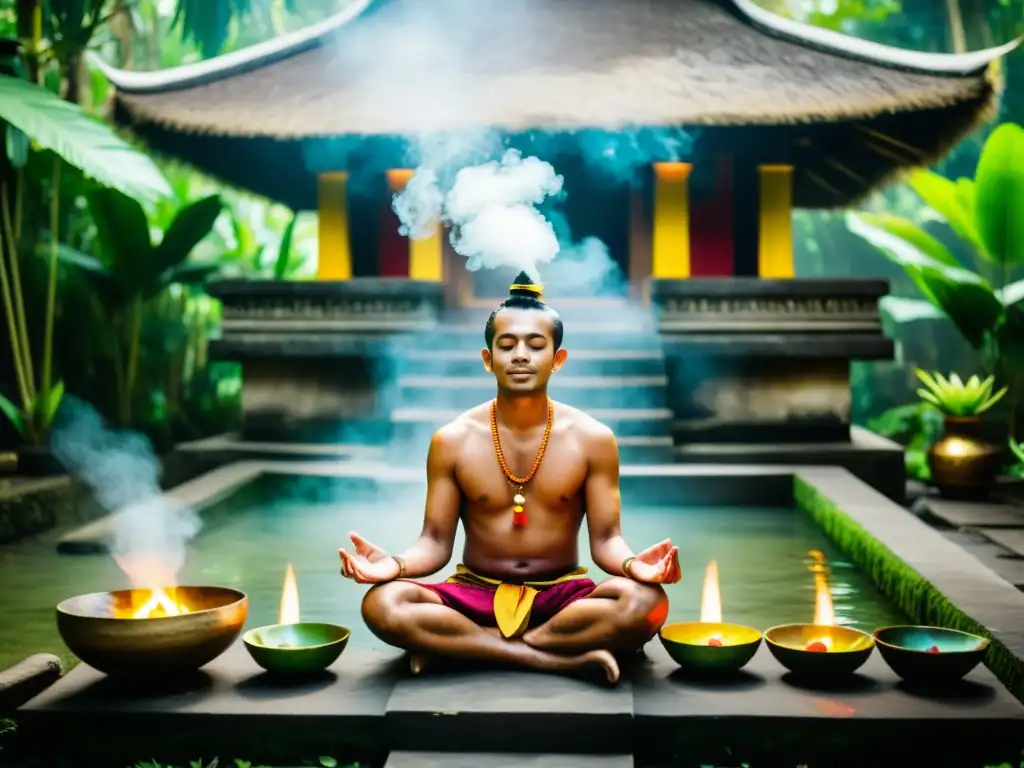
492	210
151	532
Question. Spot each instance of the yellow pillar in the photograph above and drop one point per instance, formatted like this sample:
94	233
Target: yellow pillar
426	256
775	231
334	257
670	247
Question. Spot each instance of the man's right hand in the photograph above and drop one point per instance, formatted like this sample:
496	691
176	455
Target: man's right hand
369	565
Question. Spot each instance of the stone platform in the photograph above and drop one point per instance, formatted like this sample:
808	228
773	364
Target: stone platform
367	706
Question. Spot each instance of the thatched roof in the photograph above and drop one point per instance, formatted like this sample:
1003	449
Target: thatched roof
389	68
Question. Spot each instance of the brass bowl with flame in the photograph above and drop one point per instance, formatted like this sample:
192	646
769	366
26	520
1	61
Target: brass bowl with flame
822	651
710	646
100	629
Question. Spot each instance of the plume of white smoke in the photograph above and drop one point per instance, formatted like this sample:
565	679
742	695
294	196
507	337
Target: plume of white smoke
150	531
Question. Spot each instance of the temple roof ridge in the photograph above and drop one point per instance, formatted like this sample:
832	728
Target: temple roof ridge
824	40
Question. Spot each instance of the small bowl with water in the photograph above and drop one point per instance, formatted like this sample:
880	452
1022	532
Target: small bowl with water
930	655
296	649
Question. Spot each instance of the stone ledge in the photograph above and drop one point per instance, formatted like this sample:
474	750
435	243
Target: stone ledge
759	287
504	760
367	705
31	506
823	346
509	711
27	679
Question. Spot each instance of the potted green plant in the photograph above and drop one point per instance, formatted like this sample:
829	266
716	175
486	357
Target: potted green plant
963	464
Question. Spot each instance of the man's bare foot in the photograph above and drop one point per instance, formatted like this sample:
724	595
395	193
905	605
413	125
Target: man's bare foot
418	661
603	660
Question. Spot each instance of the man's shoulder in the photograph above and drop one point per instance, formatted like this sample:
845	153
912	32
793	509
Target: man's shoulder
462	425
586	426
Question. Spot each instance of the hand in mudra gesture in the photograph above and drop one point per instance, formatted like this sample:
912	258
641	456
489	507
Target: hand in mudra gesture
369	565
658	564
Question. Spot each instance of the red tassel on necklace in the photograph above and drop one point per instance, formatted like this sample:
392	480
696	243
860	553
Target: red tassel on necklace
518	510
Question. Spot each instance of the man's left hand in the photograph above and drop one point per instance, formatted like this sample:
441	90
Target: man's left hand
658	564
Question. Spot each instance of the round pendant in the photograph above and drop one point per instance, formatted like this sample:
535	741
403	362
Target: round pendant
518	499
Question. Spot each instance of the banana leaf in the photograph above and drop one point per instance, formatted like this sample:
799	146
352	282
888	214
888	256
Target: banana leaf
80	140
999	195
189	227
284	252
953	200
965	297
900	240
903	310
1012	294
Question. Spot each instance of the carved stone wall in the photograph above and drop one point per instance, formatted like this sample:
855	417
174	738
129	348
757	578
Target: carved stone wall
315	355
752	360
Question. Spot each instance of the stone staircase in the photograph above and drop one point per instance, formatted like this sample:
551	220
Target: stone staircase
615	372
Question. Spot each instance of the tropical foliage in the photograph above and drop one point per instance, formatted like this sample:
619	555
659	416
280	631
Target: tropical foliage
957	398
977	292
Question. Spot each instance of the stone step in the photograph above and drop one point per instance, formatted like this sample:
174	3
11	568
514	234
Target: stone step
581	362
504	760
625	422
584	392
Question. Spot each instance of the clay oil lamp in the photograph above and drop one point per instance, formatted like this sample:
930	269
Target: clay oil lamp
149	631
820	650
291	647
709	645
930	655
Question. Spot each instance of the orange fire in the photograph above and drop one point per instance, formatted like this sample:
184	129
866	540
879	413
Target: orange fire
824	610
147	573
711	601
289	598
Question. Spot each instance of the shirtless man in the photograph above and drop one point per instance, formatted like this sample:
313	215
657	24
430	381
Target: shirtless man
521	472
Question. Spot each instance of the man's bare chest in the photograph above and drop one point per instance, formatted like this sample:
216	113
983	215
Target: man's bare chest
559	477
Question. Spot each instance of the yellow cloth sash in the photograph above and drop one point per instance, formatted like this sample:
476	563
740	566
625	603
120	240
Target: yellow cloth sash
512	602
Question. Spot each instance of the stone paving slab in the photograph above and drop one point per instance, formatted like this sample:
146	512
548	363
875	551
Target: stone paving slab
965	514
498	760
1010	538
733	719
498	710
229	707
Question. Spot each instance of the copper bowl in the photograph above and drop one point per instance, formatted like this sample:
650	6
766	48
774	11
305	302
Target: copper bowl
97	628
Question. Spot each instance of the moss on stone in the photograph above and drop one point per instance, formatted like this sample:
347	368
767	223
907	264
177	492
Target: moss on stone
914	594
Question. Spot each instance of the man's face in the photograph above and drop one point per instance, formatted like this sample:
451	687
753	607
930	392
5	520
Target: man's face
523	357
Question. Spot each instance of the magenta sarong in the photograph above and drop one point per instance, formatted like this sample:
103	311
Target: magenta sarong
518	607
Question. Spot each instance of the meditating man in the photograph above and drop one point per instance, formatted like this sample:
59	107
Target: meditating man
521	472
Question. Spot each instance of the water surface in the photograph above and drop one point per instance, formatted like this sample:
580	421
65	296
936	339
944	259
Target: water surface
761	554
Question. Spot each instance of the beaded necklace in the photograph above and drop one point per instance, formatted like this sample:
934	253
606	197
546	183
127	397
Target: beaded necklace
517	483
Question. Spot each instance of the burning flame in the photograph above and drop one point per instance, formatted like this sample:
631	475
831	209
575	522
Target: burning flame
824	610
147	573
289	598
711	601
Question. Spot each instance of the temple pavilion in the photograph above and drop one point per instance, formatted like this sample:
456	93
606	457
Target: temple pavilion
782	115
